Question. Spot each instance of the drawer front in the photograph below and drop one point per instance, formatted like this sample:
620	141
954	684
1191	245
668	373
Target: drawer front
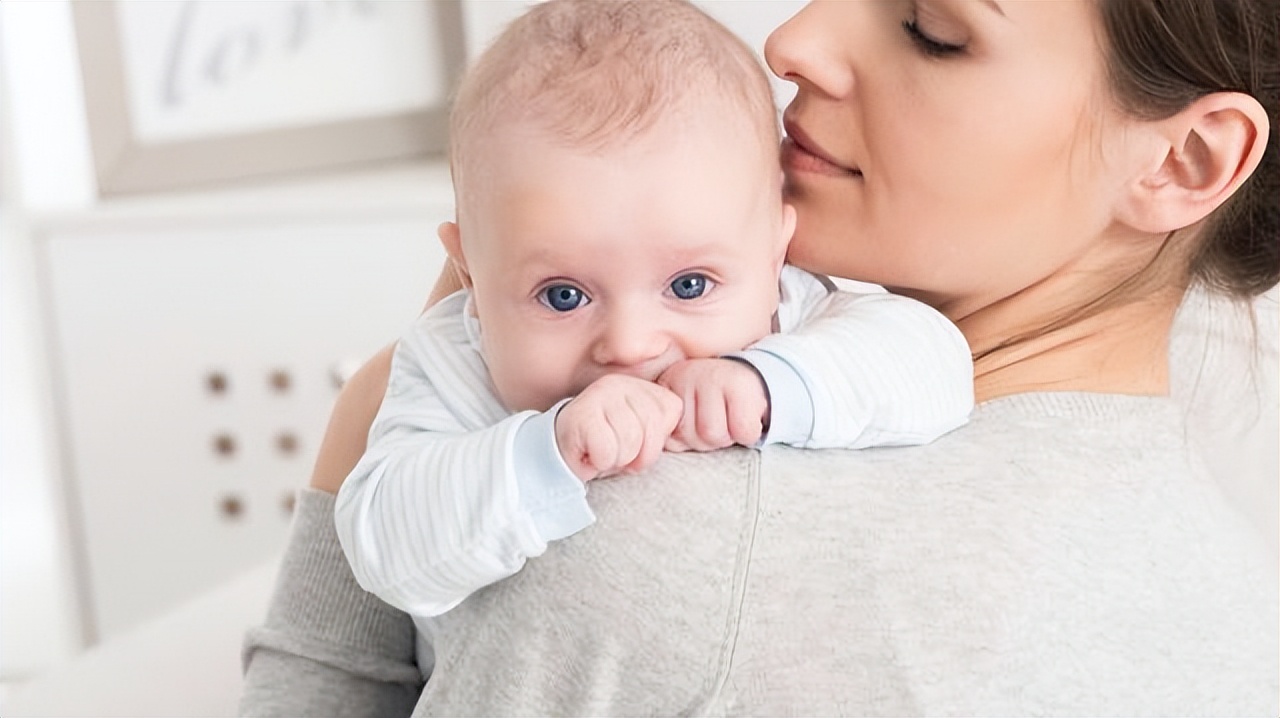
196	369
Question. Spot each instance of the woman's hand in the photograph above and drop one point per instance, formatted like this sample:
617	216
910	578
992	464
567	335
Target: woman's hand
357	404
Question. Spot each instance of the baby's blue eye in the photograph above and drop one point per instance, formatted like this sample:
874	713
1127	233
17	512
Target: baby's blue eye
689	286
563	297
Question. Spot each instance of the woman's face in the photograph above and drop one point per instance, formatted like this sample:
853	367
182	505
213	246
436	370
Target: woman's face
955	151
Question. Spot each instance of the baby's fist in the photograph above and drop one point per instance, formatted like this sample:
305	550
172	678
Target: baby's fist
618	423
725	403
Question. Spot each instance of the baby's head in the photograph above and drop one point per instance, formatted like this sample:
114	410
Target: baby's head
619	203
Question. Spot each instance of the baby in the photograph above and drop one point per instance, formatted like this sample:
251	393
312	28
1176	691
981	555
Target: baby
621	234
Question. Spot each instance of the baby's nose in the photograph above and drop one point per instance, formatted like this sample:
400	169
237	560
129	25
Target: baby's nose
630	340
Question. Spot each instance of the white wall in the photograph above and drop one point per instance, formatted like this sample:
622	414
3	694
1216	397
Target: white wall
45	107
752	20
38	623
44	164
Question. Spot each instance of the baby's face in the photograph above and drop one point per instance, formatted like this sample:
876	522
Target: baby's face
622	261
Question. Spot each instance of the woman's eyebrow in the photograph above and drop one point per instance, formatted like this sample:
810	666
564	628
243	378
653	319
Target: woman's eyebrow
994	6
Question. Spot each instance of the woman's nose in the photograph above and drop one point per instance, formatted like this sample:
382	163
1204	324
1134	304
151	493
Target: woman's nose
806	49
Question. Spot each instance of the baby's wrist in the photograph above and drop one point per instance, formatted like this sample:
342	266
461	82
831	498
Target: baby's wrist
561	434
789	417
761	382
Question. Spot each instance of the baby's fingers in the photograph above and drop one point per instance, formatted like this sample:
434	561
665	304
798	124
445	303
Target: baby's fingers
657	412
676	445
711	411
745	415
601	448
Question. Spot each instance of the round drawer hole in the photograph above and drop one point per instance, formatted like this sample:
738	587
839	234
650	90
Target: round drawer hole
231	507
224	445
217	383
280	381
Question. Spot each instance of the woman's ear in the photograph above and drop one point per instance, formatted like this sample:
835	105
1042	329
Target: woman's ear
451	238
1205	153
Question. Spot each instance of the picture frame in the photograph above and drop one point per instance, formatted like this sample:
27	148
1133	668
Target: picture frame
191	92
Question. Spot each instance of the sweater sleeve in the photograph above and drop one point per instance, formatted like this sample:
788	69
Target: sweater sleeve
327	648
434	509
862	370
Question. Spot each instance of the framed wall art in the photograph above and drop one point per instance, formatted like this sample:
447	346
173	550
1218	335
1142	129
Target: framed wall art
187	92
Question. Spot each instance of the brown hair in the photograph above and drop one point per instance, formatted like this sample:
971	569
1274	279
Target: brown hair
594	74
1165	54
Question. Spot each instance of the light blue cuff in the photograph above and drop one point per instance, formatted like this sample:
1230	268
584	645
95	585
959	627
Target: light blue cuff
550	493
791	409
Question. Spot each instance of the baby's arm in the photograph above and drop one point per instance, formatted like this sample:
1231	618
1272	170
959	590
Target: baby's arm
435	509
452	495
857	370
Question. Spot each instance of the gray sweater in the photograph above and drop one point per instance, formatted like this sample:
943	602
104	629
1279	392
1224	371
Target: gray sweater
1063	553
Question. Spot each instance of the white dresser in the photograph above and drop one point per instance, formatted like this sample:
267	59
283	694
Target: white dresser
197	341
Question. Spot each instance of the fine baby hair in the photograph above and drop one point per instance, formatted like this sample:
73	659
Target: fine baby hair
593	74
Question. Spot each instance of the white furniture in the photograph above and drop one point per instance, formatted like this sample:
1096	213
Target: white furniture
198	341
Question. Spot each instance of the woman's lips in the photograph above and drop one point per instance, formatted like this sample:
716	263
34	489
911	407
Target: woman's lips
799	154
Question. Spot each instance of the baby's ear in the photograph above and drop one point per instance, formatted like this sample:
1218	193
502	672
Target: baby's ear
1204	153
785	232
451	238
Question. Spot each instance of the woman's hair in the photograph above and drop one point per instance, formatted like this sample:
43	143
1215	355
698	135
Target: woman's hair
1165	54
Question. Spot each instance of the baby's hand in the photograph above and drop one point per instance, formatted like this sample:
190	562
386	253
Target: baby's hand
725	403
618	423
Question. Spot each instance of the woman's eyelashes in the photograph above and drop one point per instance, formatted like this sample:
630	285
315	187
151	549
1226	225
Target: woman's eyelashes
928	44
563	297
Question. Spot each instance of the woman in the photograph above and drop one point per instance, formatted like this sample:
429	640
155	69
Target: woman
1052	176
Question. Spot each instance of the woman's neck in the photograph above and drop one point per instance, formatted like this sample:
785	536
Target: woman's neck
1122	349
1047	338
1100	323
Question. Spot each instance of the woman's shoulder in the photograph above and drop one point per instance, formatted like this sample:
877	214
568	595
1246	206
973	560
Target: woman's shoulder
1050	538
1005	568
1043	433
1073	457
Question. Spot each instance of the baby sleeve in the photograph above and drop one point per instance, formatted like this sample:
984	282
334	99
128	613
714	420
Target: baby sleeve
434	509
857	370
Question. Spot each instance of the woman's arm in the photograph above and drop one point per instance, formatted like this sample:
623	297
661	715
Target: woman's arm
327	647
348	430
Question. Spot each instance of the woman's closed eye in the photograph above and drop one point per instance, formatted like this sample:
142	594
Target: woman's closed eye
563	297
691	286
930	42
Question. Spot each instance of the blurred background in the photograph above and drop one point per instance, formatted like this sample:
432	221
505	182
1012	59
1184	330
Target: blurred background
210	213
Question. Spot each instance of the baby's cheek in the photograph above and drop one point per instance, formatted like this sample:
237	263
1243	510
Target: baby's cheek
759	322
523	388
534	378
730	334
511	395
508	374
